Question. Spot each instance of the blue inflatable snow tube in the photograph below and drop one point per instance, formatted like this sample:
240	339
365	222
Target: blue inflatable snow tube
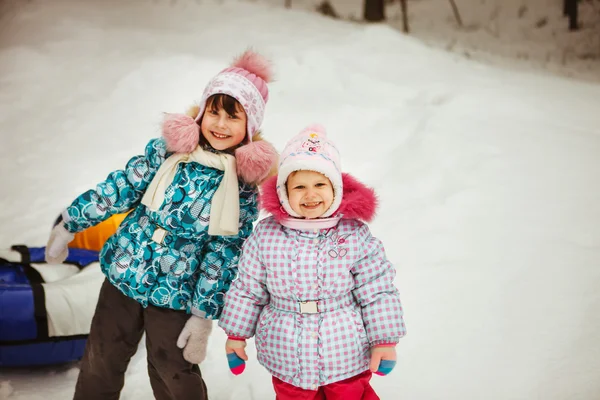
24	339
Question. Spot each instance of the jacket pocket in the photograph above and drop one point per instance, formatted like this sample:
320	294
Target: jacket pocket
277	344
344	344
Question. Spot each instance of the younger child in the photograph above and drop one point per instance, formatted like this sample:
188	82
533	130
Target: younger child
193	201
314	286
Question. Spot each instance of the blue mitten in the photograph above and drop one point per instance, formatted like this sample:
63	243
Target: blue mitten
385	367
236	364
383	354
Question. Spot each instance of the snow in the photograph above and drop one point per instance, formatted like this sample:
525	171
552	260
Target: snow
530	35
487	175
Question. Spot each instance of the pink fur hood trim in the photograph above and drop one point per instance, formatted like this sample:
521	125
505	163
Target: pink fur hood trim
358	202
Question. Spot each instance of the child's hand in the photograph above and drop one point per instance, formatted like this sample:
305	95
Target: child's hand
236	355
193	339
383	359
57	248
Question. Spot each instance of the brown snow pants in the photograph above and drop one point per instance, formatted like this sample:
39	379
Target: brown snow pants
117	327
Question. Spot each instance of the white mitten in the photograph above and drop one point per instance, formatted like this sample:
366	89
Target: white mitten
193	338
56	249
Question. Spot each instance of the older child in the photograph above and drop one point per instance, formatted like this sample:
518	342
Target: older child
193	198
314	286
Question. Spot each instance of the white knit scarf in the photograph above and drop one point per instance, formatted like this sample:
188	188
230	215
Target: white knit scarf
225	205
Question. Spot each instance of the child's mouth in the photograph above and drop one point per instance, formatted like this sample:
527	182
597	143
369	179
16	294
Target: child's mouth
312	205
219	135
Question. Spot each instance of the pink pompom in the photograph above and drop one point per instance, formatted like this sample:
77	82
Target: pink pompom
181	133
254	63
318	128
255	160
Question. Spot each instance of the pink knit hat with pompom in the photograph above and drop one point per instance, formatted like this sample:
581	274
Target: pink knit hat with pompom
311	150
246	81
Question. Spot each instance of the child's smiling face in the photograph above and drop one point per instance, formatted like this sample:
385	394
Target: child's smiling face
224	123
310	193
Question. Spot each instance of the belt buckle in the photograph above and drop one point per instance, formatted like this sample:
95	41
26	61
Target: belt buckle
159	235
309	307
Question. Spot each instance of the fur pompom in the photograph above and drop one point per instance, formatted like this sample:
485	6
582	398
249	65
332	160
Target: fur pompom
315	128
255	161
256	64
181	133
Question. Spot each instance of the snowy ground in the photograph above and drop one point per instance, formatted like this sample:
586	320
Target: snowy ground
487	177
529	34
526	34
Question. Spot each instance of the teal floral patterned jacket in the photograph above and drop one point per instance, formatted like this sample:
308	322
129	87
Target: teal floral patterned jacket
190	270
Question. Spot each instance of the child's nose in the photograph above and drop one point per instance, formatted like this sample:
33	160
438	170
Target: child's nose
310	194
221	121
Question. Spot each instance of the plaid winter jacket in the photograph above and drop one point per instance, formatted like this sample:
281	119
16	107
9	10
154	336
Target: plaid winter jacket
343	268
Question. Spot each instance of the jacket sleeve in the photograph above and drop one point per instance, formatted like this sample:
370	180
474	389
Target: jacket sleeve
121	191
248	294
375	292
219	260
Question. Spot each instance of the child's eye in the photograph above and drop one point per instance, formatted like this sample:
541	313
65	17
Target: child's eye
299	187
320	185
214	112
233	116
